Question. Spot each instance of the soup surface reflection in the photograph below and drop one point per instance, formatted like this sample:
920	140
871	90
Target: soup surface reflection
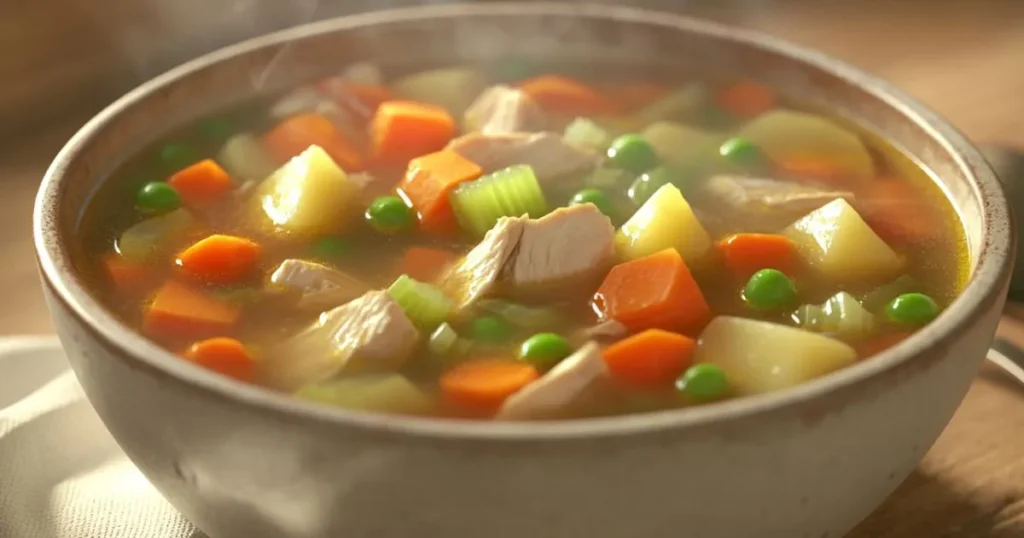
523	248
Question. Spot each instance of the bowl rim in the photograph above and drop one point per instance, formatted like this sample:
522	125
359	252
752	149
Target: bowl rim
989	279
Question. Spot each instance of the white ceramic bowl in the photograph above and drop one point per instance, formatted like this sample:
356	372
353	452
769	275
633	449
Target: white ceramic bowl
242	462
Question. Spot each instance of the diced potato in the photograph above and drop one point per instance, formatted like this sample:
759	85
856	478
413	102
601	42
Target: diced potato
836	243
583	133
155	236
759	356
453	88
308	196
682	146
244	158
666	220
787	136
675	106
390	393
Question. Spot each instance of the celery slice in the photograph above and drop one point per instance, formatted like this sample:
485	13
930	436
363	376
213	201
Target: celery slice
583	133
512	192
424	304
840	314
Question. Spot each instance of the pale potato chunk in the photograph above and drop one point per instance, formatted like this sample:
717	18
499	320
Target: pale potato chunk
759	356
666	220
308	196
836	243
453	88
789	136
680	145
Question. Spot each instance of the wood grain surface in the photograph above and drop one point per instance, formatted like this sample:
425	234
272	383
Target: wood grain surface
964	59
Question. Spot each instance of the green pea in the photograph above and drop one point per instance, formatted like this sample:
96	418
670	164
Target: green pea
544	349
389	214
912	309
647	184
491	329
216	129
741	151
631	152
157	197
769	289
329	248
594	196
703	382
175	156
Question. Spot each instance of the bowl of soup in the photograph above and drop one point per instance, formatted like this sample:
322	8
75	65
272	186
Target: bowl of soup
522	270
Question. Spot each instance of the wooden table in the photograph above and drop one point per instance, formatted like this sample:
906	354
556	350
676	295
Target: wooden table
965	59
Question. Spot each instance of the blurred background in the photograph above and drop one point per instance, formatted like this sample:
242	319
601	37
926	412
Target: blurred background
63	60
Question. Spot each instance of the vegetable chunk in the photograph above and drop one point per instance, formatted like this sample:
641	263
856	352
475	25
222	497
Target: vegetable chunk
654	292
792	138
837	244
307	197
759	356
666	220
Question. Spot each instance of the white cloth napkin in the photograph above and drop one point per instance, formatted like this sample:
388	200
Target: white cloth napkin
61	474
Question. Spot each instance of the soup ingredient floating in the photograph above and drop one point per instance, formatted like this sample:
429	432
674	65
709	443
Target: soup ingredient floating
541	248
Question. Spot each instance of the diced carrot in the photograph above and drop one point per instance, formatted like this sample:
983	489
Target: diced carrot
747	253
220	259
746	99
897	213
425	263
482	385
403	130
224	355
653	292
563	95
126	276
293	135
651	359
880	344
201	184
632	96
179	311
426	185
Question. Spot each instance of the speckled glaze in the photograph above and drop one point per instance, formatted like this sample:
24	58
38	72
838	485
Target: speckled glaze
241	462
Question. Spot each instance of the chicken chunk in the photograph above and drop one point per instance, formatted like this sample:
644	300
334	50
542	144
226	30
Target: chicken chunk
476	275
570	248
763	204
546	153
559	389
368	334
317	286
501	109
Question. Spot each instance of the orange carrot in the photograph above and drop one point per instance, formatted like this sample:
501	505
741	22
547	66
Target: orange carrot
880	344
126	276
426	185
179	311
651	359
220	259
224	355
747	253
293	135
653	292
425	263
562	95
203	183
632	96
809	168
403	130
745	99
482	385
897	213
